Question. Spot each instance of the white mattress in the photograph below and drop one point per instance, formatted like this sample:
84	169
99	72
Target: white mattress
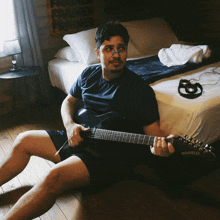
64	73
198	118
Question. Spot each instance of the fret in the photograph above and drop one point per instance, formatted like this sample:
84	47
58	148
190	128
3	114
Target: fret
139	138
143	142
144	139
100	134
149	140
108	136
125	137
120	137
129	139
116	136
105	135
132	138
135	138
112	135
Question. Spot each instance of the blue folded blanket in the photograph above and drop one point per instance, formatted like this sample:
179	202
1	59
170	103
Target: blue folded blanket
151	69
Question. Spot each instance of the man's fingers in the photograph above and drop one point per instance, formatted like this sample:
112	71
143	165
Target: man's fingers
85	128
77	137
164	145
170	147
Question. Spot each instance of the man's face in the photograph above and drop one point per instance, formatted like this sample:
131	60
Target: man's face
113	55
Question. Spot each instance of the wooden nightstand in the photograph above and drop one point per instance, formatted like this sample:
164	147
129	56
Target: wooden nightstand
24	89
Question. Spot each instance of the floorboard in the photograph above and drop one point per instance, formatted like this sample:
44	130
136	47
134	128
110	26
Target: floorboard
127	200
10	127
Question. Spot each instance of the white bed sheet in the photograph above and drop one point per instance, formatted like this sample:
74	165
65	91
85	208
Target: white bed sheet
64	73
198	118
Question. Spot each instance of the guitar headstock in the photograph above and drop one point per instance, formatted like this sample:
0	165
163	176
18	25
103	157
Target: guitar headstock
188	147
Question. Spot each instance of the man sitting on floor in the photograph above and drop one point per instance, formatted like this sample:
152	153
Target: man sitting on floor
108	89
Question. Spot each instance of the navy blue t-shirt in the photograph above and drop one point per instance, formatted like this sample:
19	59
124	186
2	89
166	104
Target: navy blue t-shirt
129	95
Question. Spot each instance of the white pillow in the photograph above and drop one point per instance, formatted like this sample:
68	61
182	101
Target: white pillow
66	53
83	43
150	34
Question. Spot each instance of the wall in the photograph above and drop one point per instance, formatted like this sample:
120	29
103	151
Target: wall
209	22
194	21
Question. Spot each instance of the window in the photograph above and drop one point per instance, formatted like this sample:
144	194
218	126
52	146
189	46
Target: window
7	23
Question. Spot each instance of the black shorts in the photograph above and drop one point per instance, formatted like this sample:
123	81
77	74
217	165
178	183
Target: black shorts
111	169
103	171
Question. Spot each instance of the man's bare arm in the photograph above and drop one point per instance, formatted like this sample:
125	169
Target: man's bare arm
160	147
73	129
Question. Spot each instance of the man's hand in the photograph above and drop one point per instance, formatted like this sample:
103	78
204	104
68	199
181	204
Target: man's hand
73	134
161	148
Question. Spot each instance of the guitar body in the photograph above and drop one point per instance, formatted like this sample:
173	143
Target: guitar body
109	121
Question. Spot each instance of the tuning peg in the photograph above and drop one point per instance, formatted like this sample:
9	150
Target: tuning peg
210	148
206	146
196	142
185	136
200	143
190	139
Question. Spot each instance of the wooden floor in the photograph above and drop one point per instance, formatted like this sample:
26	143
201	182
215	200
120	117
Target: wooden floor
131	199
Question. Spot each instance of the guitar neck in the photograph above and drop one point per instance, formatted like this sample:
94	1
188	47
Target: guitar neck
119	136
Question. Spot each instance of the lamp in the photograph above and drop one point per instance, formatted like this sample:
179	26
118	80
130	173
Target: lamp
12	48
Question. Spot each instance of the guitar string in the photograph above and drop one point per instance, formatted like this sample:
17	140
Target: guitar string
122	136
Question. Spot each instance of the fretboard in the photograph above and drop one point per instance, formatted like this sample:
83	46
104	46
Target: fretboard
125	137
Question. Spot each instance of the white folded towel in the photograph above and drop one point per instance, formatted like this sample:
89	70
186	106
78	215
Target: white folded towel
179	54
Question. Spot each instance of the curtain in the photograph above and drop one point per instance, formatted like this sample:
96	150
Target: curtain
27	33
7	24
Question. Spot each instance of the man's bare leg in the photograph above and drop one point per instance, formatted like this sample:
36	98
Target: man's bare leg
69	174
29	143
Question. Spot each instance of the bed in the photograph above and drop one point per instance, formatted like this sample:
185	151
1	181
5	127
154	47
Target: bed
197	118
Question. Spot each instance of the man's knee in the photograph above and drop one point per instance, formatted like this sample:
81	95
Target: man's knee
21	142
63	177
55	182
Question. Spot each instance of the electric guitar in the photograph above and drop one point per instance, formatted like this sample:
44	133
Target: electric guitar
186	147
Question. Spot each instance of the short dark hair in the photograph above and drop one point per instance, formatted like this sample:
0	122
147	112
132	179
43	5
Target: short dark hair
108	30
